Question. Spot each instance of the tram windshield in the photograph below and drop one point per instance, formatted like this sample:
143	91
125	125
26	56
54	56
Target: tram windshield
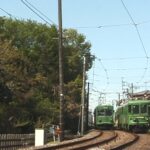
135	109
108	112
101	112
105	112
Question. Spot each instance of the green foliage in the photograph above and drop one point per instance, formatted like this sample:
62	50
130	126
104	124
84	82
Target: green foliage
29	81
75	47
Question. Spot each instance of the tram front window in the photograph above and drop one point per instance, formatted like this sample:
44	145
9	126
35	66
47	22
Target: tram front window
101	112
135	109
108	112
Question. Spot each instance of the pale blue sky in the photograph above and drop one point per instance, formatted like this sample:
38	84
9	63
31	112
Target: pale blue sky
118	47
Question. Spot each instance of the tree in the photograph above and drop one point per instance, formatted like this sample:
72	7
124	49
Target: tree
75	47
29	71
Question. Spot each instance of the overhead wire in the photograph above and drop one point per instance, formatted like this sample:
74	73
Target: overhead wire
29	7
93	82
141	41
93	75
143	22
103	26
122	58
107	77
135	25
112	25
40	12
26	3
117	69
106	72
6	12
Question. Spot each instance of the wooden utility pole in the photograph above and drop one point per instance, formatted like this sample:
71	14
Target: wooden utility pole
61	82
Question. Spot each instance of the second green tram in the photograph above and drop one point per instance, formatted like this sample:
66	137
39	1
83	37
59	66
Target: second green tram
134	115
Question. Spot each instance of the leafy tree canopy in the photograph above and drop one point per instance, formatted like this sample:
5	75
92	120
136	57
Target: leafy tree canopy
29	72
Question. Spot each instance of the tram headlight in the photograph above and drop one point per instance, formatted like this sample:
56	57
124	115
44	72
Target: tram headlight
135	120
146	119
132	119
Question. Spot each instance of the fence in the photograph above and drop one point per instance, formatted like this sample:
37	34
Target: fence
16	141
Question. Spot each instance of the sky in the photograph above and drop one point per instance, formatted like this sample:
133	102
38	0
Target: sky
119	32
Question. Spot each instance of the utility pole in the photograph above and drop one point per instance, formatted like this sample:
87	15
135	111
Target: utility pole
61	84
87	107
132	89
83	97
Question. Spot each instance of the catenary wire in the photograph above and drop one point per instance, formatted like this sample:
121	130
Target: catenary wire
93	80
122	58
117	69
35	12
135	25
40	12
111	25
107	77
143	22
6	12
139	36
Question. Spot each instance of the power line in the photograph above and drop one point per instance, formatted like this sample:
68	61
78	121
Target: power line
122	58
10	15
107	78
93	73
145	70
112	25
104	26
35	12
135	25
143	22
128	12
105	70
141	41
139	36
40	12
125	77
6	12
117	69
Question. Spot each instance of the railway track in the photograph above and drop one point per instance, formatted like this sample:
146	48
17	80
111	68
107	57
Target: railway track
123	139
92	139
95	140
142	144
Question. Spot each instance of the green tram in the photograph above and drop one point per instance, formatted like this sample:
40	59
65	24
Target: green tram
103	117
133	116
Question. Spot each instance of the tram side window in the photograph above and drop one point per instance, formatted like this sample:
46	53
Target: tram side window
149	110
135	109
143	109
129	108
